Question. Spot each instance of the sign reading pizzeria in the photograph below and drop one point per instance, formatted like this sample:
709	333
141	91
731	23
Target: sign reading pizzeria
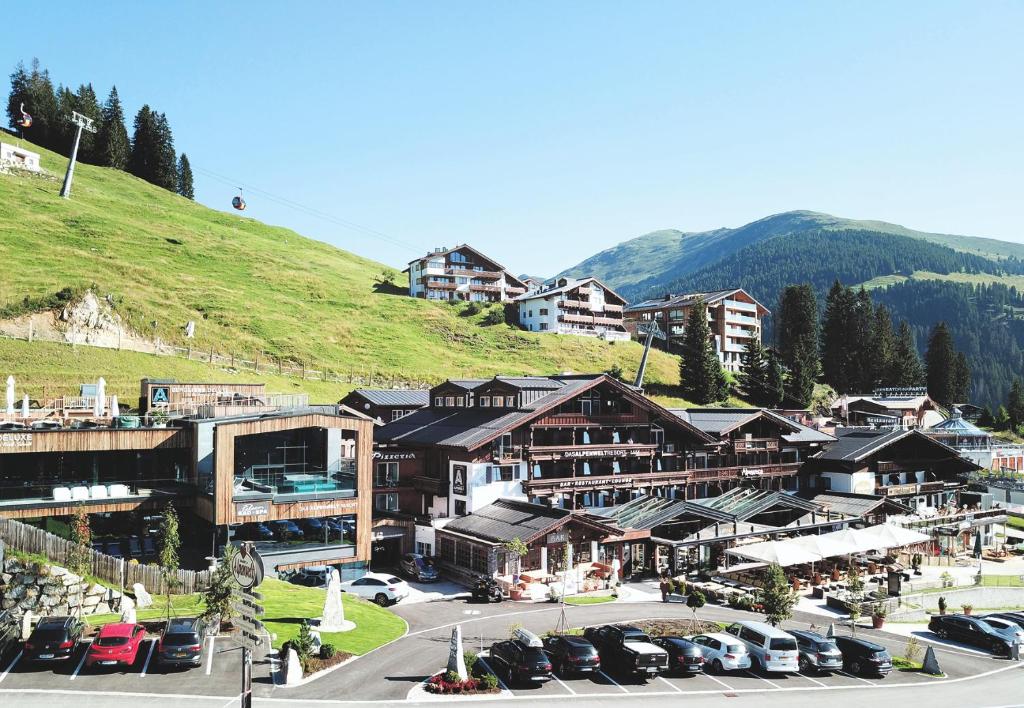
380	456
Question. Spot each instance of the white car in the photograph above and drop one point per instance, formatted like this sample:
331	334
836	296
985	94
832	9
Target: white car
722	652
382	588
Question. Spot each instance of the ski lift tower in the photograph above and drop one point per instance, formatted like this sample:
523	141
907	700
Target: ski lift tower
652	330
83	123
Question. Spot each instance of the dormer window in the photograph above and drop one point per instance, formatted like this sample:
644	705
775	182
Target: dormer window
449	401
460	401
485	401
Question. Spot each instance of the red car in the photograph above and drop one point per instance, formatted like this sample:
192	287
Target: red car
116	644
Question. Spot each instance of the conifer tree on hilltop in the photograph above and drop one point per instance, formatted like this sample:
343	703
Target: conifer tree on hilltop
882	348
185	188
941	365
166	158
905	367
835	355
113	147
700	372
88	105
797	323
1014	404
34	90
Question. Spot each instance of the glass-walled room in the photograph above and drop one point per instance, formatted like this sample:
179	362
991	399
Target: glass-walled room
298	462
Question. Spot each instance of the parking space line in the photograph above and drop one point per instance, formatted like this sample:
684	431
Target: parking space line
674	687
621	688
811	680
12	665
209	655
562	683
862	680
773	685
80	663
149	656
500	682
719	682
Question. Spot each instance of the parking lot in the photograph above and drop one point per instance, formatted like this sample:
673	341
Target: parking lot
218	675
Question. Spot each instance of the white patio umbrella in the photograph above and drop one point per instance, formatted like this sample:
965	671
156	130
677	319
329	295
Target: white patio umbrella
785	553
24	406
101	394
826	545
115	411
891	536
10	395
853	540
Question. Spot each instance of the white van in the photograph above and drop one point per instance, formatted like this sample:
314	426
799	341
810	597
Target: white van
770	648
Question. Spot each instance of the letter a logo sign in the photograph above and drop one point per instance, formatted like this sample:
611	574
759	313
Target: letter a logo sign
160	395
459	479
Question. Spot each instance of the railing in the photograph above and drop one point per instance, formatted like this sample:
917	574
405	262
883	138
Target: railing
590	320
742	319
636	479
569	419
490	274
441	285
745	472
569	452
509	453
29	539
485	288
612	308
756	444
430	485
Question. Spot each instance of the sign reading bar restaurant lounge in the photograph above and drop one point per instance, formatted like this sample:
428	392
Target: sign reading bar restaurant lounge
599	482
261	508
15	439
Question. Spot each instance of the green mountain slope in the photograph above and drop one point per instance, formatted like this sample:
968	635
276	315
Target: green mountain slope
249	286
651	262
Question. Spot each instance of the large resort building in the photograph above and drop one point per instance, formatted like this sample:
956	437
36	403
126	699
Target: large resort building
462	273
585	308
733	315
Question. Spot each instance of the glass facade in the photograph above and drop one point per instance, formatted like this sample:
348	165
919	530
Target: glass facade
299	462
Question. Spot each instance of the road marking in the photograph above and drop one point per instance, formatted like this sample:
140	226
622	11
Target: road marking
145	667
773	685
562	683
80	663
862	680
11	666
675	687
811	680
209	655
716	680
612	680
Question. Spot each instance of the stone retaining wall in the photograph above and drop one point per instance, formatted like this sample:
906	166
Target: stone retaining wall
51	590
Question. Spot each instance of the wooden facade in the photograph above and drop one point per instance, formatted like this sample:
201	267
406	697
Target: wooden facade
93	440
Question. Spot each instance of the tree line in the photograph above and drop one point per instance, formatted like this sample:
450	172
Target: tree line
149	154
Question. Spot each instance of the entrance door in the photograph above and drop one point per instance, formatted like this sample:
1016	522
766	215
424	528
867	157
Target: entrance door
638	558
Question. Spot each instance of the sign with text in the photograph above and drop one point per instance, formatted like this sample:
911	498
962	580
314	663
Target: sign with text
15	440
261	508
599	482
381	456
247	567
459	473
558	537
160	395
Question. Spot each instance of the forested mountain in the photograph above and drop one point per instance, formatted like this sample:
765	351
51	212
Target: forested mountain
650	262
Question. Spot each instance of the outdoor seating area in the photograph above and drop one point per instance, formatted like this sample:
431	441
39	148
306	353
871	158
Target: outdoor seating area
95	491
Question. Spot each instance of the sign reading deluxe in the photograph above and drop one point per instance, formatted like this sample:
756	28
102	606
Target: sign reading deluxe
15	440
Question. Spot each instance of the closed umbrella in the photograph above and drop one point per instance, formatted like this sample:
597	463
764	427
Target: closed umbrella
24	406
101	394
10	395
977	544
115	411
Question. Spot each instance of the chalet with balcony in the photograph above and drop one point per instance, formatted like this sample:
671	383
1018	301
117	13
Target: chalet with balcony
585	308
916	470
733	315
386	405
908	407
462	273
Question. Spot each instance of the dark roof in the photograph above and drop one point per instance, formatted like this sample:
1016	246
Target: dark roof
684	300
507	519
854	444
856	505
720	421
569	285
394	397
469	428
737	504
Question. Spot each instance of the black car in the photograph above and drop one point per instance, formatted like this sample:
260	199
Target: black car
817	653
182	642
970	630
1016	618
10	634
684	657
520	663
570	654
418	567
54	639
863	657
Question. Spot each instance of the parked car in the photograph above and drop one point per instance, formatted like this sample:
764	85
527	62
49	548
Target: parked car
54	639
520	663
970	630
770	648
863	657
722	652
314	576
382	588
182	642
10	634
312	527
1016	617
817	653
1005	628
116	643
684	657
627	650
255	531
572	655
285	530
419	568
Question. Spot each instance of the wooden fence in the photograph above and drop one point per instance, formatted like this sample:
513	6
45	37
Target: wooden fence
116	571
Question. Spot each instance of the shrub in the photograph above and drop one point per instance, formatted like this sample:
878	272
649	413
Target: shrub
474	308
451	677
327	651
495	316
913	650
489	681
470	658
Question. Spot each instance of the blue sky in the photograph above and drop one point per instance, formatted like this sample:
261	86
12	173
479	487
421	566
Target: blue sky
543	132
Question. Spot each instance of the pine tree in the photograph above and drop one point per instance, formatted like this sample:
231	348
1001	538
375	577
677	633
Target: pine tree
776	384
1002	419
170	546
166	158
860	329
835	331
753	376
185	178
63	130
777	596
700	372
35	90
986	419
802	375
88	105
961	379
113	147
797	322
883	348
142	162
1015	404
940	365
905	367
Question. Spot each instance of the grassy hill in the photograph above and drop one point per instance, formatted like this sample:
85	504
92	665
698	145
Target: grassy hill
249	286
654	261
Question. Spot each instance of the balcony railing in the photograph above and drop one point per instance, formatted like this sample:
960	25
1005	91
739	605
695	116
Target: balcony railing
485	288
608	307
587	452
441	284
756	444
515	290
576	304
590	320
646	479
489	274
899	490
570	419
430	485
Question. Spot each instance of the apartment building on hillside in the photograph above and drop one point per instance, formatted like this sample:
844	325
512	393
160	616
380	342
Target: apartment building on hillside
462	273
733	315
585	307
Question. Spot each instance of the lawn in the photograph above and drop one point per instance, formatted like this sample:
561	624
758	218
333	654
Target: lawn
286	606
1002	581
589	600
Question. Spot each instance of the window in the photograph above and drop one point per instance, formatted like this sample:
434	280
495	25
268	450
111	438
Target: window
446	549
510	401
485	401
460	507
385	502
462	554
462	281
449	401
543	312
460	401
543	326
424	549
386	474
398	413
478	560
438	402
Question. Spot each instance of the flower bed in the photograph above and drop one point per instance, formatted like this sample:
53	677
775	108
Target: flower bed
450	684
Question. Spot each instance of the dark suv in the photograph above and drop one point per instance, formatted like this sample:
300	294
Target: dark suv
54	639
572	655
520	663
863	657
684	657
970	630
182	642
817	653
